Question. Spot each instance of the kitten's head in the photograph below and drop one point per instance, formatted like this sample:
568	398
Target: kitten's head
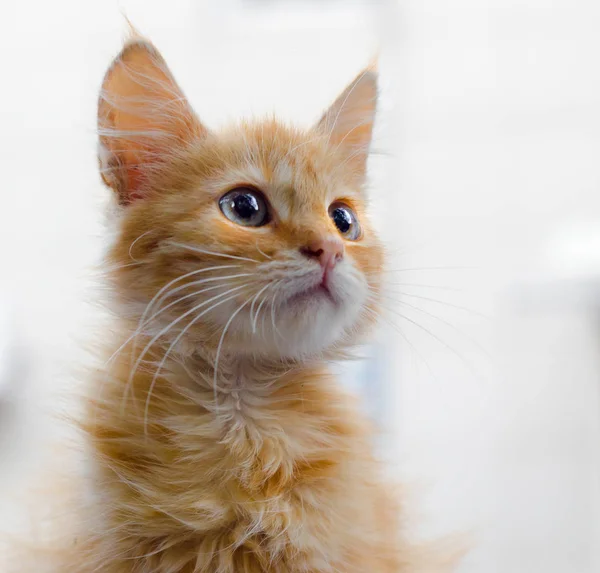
254	237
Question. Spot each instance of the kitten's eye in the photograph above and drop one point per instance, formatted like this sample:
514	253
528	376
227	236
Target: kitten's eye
345	220
245	206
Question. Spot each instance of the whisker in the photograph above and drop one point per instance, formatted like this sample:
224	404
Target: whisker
413	347
262	324
213	253
110	269
273	310
134	243
257	313
442	342
138	331
177	339
166	287
218	354
418	285
443	321
149	320
176	280
143	320
429	269
263	253
202	281
253	322
444	303
170	325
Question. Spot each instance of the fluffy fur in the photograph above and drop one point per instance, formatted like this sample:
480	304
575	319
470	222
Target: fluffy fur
219	441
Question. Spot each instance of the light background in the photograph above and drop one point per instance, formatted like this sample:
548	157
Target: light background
485	182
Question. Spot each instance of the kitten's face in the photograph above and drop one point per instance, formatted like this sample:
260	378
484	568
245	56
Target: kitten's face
254	239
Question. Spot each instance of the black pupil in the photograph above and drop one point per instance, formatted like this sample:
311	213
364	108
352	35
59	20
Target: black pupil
342	219
246	206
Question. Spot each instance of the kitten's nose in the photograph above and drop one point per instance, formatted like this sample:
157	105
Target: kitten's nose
328	251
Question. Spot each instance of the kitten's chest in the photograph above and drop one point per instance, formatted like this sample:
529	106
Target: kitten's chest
278	473
264	510
299	497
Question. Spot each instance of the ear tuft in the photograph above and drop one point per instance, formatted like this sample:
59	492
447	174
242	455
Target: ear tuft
348	123
143	118
133	32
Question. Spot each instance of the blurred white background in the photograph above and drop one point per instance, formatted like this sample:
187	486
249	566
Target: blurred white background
485	182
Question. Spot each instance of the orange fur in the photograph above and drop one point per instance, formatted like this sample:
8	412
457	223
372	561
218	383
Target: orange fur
225	447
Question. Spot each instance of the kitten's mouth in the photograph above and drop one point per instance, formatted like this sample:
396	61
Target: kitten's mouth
319	291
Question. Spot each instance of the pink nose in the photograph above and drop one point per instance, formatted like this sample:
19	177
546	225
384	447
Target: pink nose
328	251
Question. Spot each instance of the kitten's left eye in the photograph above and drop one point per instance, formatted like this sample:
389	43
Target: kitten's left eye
245	206
345	220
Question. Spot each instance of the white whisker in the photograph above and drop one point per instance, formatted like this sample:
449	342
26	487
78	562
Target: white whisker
263	253
273	309
256	317
166	287
203	281
176	340
442	342
138	331
169	326
443	321
134	243
143	320
114	268
442	302
218	354
253	322
397	328
213	253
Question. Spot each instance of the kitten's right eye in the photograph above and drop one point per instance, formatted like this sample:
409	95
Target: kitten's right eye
245	206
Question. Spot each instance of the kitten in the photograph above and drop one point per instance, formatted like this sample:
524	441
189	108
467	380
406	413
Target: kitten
244	263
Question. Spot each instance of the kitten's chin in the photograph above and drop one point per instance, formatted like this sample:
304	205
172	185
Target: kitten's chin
318	294
307	324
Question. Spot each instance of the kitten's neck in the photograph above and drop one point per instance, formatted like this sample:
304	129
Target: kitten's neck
245	390
235	379
263	418
199	454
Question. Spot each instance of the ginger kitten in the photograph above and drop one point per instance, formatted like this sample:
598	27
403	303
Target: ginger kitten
244	264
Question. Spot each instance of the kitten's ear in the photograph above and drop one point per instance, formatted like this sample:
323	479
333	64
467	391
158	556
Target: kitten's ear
348	123
143	118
